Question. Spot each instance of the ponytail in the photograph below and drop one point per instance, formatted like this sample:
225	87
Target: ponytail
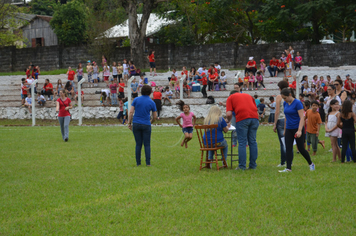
288	92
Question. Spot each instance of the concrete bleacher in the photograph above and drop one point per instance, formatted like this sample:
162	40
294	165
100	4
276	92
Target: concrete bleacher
10	86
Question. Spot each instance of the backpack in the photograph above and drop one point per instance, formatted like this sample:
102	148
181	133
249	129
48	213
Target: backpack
210	100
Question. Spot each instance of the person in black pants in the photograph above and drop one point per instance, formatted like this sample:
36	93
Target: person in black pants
204	81
346	122
294	128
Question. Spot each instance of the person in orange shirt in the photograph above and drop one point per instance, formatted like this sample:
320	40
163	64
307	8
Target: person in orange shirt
313	127
152	60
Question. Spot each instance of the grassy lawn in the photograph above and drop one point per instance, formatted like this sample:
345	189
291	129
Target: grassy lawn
91	186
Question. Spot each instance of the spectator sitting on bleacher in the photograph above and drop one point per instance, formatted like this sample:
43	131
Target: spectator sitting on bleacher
193	74
283	57
174	71
186	88
134	88
47	89
172	81
262	67
69	89
59	86
298	61
29	81
202	70
281	67
184	72
213	79
28	103
168	96
76	97
41	100
217	67
177	89
223	80
251	66
273	66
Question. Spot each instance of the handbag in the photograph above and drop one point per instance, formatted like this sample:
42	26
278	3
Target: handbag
66	106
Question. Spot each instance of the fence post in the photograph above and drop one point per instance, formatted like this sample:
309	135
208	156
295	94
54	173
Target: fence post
297	84
181	86
33	102
236	79
80	100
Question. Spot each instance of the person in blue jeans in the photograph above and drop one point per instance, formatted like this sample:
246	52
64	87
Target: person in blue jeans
247	124
215	117
140	123
279	123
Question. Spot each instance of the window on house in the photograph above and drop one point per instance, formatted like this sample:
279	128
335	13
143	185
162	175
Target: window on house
38	42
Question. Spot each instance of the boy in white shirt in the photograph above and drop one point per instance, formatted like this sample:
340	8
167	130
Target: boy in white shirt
169	95
28	103
41	100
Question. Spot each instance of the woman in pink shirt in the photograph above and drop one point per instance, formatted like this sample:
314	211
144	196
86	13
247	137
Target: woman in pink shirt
188	123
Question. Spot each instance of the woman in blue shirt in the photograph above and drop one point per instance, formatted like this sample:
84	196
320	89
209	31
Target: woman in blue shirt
215	117
294	128
140	123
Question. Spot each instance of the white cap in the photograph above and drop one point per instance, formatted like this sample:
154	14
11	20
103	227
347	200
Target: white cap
250	58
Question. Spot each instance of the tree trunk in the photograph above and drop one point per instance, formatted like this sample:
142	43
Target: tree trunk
137	30
316	34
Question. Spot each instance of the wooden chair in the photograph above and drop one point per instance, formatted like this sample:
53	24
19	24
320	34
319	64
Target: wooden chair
205	147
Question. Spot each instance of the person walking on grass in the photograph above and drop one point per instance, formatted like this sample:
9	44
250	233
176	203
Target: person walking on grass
140	123
346	121
313	127
63	104
188	124
294	128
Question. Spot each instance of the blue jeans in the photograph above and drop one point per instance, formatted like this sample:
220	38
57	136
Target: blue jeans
270	69
225	150
222	83
114	99
64	124
142	135
280	131
247	130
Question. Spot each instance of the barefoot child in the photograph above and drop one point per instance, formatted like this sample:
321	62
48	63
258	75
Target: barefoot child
313	127
187	125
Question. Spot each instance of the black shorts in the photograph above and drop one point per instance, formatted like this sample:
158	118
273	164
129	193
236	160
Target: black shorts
115	76
119	76
152	64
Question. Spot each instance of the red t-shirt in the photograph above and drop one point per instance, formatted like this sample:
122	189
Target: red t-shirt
281	65
23	89
273	63
252	64
289	58
204	80
62	111
214	76
82	92
121	89
348	86
113	88
48	87
185	73
243	105
157	95
151	57
28	72
71	75
174	79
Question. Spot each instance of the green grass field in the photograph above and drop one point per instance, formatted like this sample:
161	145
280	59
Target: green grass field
91	186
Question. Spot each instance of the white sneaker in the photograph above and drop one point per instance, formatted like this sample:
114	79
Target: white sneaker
285	170
280	165
331	150
312	167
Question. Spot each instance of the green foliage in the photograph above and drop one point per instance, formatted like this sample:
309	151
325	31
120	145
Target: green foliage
70	23
43	7
10	33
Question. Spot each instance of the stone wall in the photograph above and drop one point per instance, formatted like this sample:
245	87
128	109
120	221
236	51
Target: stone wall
200	111
229	55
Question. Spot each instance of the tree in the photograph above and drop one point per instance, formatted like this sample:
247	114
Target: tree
10	34
70	23
42	7
137	27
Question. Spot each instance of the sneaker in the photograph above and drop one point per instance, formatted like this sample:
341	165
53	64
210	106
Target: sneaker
312	167
247	89
66	140
264	89
155	74
285	170
280	165
331	150
256	89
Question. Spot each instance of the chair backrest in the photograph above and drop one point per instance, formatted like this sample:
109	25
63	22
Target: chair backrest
203	137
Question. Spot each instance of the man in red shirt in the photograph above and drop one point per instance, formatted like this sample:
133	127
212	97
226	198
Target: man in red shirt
251	66
247	124
273	66
281	67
